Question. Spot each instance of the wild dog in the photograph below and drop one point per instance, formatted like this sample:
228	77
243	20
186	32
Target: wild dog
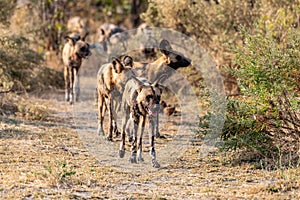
170	59
166	64
148	40
140	101
74	51
105	31
111	79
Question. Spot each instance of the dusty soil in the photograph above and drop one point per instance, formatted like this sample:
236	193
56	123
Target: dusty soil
63	158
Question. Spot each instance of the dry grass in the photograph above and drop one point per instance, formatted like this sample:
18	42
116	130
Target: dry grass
46	159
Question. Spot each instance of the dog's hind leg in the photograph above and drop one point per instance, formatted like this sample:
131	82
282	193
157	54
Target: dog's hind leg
134	143
152	128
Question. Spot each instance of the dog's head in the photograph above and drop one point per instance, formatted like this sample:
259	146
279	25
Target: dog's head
80	47
147	96
175	59
127	61
147	100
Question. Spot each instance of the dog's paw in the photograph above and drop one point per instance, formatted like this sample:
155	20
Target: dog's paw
100	131
117	133
121	153
67	97
109	138
140	159
157	135
77	99
155	164
133	159
161	137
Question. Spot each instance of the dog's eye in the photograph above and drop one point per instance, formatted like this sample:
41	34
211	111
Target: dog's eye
82	49
148	97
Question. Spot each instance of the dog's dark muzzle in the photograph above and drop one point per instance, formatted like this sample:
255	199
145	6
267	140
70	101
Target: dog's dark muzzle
153	109
88	54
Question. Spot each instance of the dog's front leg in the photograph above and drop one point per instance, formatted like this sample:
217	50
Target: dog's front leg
71	78
67	83
134	142
140	143
157	134
152	129
76	87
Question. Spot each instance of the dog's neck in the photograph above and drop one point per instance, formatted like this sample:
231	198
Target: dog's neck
163	60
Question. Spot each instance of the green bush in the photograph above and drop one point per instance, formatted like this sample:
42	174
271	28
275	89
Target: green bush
266	118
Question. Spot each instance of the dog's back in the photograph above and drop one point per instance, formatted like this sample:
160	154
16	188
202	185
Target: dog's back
106	30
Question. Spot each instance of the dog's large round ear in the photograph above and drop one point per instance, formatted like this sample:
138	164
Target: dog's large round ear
73	40
85	35
117	65
165	47
102	31
128	61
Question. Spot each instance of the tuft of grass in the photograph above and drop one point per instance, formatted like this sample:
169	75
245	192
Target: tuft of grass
33	112
15	105
59	173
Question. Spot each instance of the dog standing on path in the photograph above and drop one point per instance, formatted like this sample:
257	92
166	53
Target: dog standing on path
74	51
140	101
111	79
166	65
